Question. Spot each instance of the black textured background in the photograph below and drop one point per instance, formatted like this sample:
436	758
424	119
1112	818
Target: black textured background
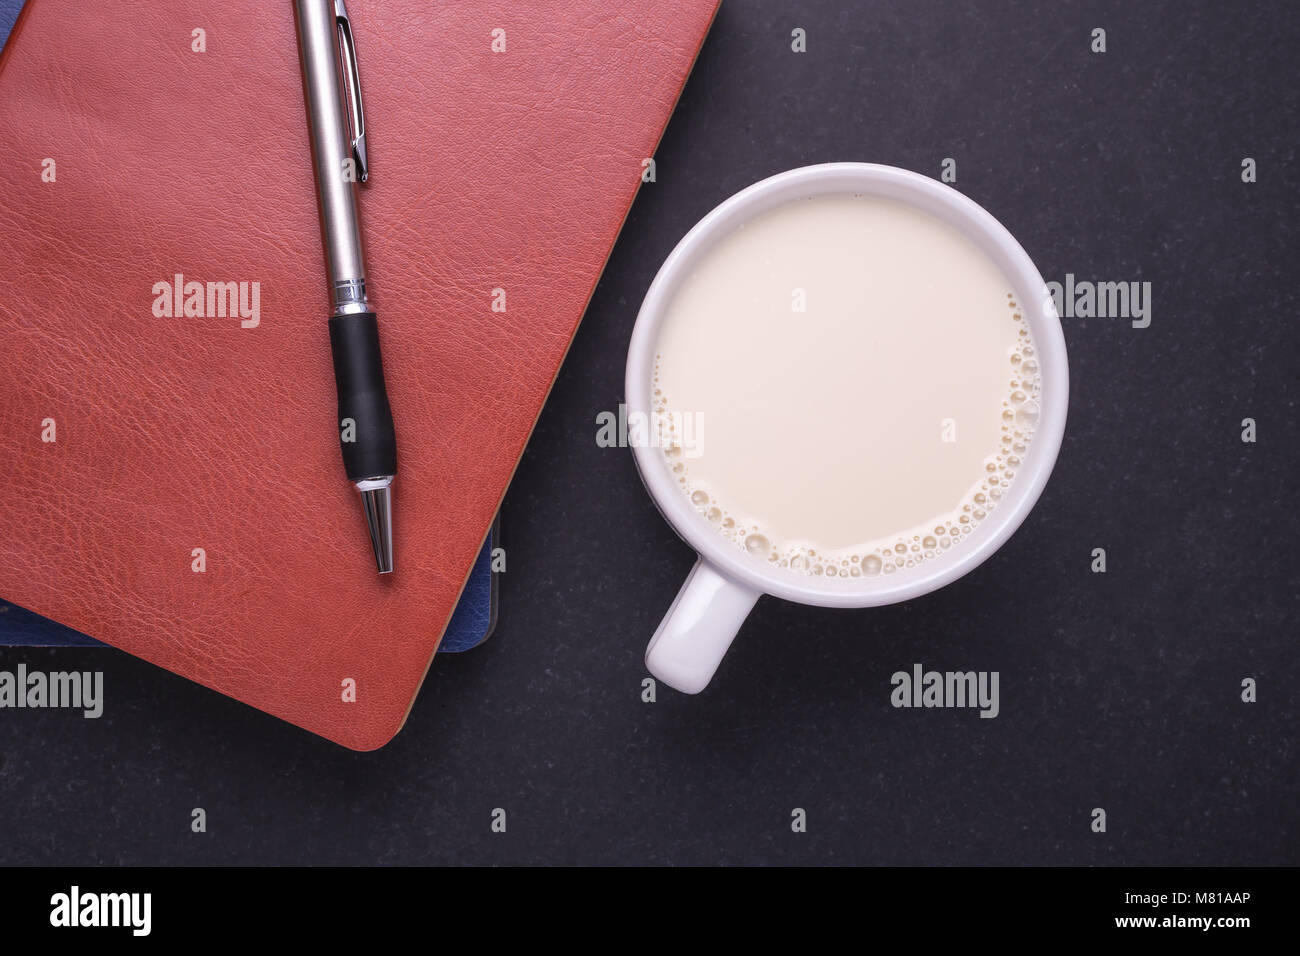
1118	690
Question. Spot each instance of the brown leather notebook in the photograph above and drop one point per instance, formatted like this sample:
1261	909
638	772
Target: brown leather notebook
170	456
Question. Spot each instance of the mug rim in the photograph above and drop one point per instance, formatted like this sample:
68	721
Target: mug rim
1027	284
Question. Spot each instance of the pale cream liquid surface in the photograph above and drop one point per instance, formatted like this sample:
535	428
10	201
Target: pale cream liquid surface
874	429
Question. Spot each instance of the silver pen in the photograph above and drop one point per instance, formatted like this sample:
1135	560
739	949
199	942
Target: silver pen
338	147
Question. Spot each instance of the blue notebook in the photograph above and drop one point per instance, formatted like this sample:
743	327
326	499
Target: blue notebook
470	625
8	14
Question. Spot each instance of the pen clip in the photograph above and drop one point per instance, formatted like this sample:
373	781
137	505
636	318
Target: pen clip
353	77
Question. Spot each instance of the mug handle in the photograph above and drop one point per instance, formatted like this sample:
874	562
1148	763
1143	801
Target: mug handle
697	630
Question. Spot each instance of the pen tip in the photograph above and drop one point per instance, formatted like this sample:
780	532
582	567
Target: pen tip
377	501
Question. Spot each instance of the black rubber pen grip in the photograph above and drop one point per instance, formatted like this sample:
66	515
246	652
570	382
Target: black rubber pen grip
365	420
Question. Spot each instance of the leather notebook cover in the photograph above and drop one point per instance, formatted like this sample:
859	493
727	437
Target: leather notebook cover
471	623
495	177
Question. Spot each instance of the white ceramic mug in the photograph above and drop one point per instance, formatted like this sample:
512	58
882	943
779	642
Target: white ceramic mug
726	581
